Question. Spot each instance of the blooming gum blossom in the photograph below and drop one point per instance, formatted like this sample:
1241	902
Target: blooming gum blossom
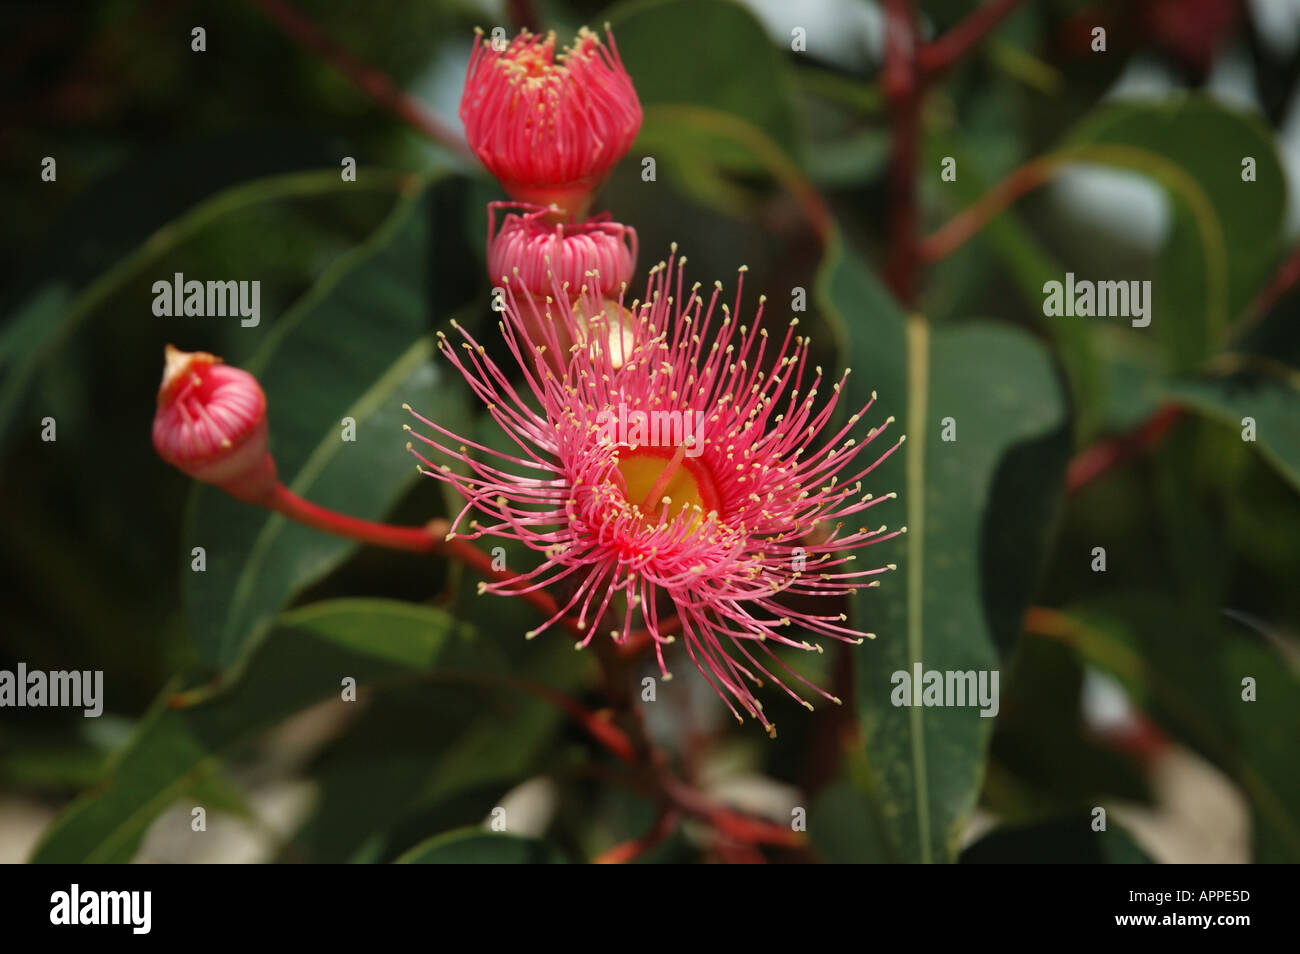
549	126
785	479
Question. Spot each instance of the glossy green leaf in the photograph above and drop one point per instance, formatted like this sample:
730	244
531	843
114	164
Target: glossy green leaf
743	78
845	827
1268	394
1044	759
1225	231
425	760
475	846
356	347
183	740
1187	670
53	313
969	557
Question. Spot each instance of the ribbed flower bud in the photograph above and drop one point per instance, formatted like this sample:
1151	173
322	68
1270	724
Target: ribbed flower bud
530	248
211	424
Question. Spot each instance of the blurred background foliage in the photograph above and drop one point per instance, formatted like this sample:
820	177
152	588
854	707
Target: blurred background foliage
1119	688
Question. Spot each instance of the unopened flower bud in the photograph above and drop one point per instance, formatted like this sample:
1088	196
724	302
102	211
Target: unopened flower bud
534	250
211	424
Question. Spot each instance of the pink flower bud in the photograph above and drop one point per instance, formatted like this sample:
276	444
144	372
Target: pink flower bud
549	127
211	424
536	252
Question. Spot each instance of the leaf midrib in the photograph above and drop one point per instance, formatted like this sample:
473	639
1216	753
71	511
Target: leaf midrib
918	383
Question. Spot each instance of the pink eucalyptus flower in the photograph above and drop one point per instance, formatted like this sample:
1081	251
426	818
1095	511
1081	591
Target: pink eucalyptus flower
211	424
549	127
746	500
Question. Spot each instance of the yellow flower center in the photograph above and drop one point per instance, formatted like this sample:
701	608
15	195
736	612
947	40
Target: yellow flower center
654	475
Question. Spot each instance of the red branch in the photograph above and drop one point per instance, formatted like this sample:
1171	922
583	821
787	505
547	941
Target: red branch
727	821
432	538
598	725
1096	459
427	539
1283	281
634	848
369	80
416	539
938	57
524	15
903	91
910	68
965	224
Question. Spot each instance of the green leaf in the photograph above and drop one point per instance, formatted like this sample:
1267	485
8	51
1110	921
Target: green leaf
714	109
1044	760
1057	841
1266	761
699	145
1266	392
449	751
49	765
474	846
1226	232
418	760
182	741
1186	670
948	608
744	76
845	828
1029	266
355	347
48	318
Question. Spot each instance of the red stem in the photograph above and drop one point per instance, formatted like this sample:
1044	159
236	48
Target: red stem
728	822
1284	279
938	57
958	230
366	78
903	91
415	539
737	853
910	68
431	538
524	15
1101	456
427	539
597	724
634	848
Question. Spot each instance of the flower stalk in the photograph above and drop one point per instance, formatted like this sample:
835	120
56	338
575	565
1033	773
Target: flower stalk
413	539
